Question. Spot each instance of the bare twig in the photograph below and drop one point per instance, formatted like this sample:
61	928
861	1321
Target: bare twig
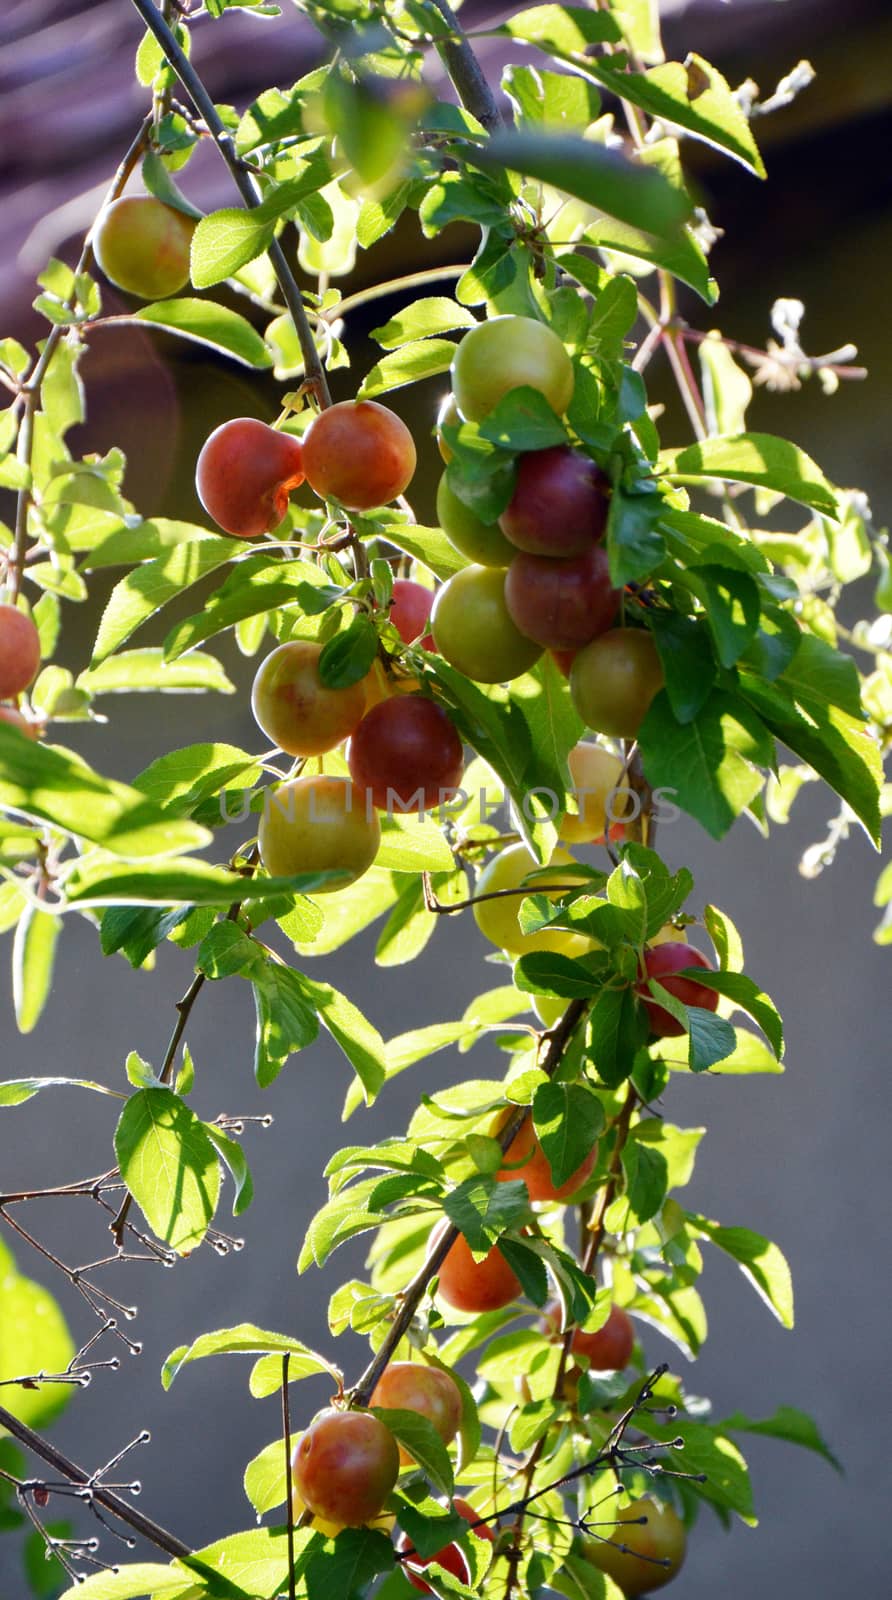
111	1502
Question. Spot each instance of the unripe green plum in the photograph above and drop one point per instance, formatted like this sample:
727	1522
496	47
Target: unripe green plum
497	919
473	630
508	353
645	1551
599	796
614	679
143	245
477	541
318	824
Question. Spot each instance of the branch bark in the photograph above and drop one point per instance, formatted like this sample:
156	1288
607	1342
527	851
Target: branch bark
106	1498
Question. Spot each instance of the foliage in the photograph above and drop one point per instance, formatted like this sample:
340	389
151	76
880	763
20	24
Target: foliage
731	549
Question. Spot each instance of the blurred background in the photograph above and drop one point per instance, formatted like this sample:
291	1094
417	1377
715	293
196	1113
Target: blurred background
801	1157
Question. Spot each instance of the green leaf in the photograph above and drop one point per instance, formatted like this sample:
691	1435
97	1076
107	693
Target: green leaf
359	1040
347	657
123	546
750	998
726	1479
233	1156
727	390
247	1339
484	1208
226	240
625	189
710	1038
687	660
821	678
759	459
428	545
133	671
759	1260
565	30
15	1091
182	779
842	751
796	1427
617	1030
422	358
568	1120
647	1179
252	1563
34	1339
691	95
523	420
133	1581
254	587
33	954
424	1444
547	972
708	765
634	544
59	788
679	254
169	1166
437	314
143	592
265	1480
286	1022
206	322
732	604
358	1556
99	880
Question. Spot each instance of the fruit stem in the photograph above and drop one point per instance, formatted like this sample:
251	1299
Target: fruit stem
314	372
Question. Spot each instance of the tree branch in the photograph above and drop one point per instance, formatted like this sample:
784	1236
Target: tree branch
466	72
106	1498
558	1039
314	372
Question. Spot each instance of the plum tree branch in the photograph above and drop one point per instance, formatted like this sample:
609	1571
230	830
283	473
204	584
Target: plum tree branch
314	371
557	1041
106	1498
466	72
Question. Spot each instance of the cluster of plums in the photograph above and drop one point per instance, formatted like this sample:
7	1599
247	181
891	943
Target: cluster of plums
539	576
19	666
347	1462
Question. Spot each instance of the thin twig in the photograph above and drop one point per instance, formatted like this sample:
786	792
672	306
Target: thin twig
289	1503
314	372
555	1043
105	1497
